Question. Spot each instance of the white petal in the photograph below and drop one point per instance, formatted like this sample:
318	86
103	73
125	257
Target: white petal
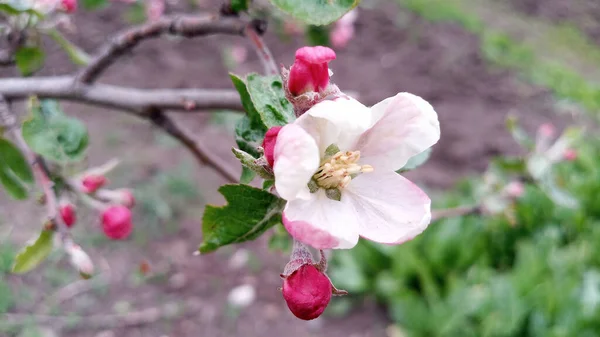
403	126
390	208
321	222
340	121
296	159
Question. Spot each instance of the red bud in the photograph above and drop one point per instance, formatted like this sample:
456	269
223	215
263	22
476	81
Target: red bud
310	71
307	292
92	182
67	213
69	6
116	222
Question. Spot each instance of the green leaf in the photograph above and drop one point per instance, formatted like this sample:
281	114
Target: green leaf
94	4
316	12
33	254
247	175
29	59
15	172
416	161
239	5
249	136
317	35
53	135
269	100
249	212
15	7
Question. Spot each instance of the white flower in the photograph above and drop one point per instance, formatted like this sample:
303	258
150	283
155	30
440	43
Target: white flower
351	153
241	296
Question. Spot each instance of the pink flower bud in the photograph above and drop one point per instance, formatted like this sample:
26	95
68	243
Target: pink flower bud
67	213
81	261
341	35
269	143
570	154
69	6
92	182
514	189
307	292
310	71
547	130
116	222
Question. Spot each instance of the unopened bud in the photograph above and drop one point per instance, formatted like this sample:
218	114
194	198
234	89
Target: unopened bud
116	222
69	6
81	261
92	182
67	213
307	292
310	71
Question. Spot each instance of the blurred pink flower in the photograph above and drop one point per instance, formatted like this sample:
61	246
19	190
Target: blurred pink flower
343	30
155	9
239	54
570	154
514	189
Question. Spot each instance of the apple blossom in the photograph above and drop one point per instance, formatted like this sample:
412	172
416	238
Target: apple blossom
335	165
343	30
116	222
310	71
570	154
80	260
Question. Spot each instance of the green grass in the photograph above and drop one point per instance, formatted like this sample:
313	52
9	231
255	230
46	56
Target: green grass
559	58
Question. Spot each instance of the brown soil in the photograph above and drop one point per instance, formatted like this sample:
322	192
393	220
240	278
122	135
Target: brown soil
392	52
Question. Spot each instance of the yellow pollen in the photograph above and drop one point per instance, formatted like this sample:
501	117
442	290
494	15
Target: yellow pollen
338	171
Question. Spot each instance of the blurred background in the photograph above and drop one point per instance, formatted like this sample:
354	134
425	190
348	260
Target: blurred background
530	268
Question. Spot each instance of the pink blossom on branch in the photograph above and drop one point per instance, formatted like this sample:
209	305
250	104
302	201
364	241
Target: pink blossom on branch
67	213
343	30
69	6
348	153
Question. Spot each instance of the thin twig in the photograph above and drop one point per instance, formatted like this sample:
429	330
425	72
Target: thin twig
185	26
42	177
136	101
253	32
454	212
203	155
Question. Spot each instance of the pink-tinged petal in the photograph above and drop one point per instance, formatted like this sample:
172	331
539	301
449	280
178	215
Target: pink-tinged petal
296	159
403	126
269	143
390	208
340	121
315	55
321	222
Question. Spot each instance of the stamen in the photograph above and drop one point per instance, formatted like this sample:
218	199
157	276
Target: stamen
338	170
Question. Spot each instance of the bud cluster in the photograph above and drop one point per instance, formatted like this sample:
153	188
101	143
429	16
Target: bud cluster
114	206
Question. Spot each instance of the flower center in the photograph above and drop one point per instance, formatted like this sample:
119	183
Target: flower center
337	171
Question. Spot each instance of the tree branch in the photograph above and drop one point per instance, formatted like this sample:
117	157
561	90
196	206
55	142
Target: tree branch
185	26
201	153
137	101
40	170
253	32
